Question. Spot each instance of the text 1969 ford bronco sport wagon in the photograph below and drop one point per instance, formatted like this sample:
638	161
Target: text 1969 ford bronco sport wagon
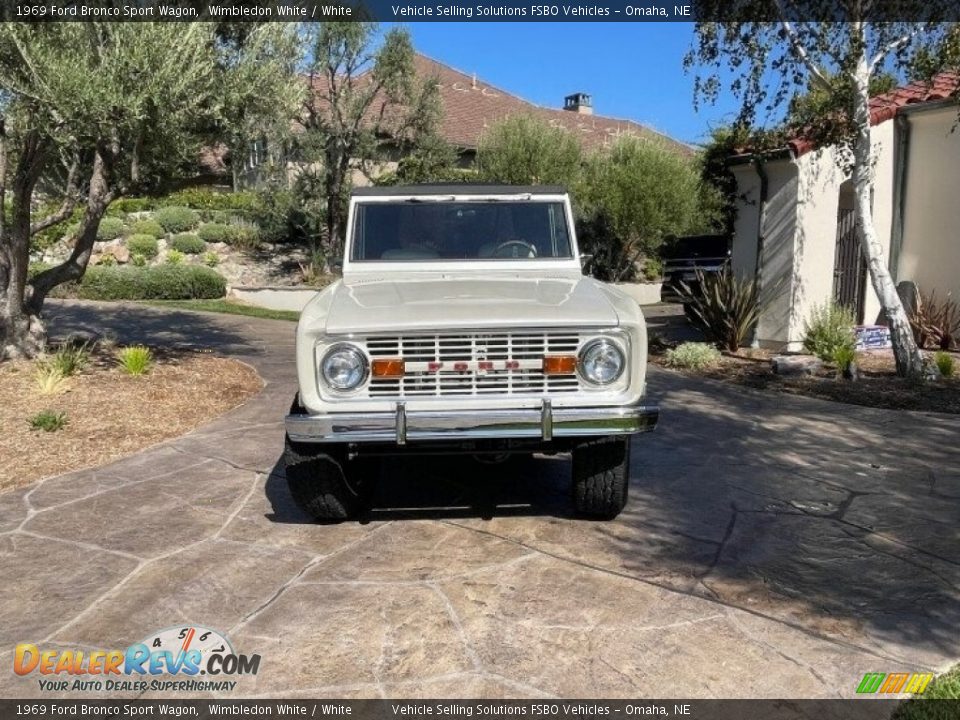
463	324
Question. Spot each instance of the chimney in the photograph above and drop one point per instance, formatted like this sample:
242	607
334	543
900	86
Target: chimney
578	103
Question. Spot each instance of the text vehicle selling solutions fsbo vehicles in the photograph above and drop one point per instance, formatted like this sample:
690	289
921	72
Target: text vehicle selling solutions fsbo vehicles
463	324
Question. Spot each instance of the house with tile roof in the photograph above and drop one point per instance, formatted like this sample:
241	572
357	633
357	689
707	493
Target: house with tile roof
795	227
470	106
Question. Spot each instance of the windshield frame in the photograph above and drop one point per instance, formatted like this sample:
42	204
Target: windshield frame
473	265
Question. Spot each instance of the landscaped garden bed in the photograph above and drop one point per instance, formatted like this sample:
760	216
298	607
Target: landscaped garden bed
878	385
86	406
201	230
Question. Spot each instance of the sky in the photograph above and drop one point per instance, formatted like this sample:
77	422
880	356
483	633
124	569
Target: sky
632	70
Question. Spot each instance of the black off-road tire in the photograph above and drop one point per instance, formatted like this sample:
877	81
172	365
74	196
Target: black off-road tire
601	477
318	482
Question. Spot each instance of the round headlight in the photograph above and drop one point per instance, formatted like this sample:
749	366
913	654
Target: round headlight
343	367
601	362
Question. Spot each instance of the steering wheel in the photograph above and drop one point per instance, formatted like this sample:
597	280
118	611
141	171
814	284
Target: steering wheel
531	249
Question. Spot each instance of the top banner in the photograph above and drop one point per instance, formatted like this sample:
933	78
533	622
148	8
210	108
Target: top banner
470	10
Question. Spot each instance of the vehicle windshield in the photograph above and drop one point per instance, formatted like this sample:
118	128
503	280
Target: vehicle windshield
418	230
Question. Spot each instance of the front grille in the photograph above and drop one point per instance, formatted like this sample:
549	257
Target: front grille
448	365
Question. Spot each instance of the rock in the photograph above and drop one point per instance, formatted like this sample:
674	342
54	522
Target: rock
121	253
851	372
795	364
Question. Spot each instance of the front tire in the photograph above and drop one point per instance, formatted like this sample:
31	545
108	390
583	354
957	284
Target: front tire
324	484
601	477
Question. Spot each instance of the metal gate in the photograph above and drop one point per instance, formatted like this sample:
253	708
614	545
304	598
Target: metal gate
849	267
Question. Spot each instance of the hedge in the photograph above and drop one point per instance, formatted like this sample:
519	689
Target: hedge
157	282
177	219
188	243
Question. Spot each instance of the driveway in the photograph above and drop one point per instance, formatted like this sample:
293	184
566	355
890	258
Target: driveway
773	547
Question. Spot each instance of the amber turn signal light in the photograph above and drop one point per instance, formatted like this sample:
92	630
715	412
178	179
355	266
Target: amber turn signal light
388	368
559	365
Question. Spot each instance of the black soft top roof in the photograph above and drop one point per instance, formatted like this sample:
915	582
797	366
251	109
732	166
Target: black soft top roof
459	189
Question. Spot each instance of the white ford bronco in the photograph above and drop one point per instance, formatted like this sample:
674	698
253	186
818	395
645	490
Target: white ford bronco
463	324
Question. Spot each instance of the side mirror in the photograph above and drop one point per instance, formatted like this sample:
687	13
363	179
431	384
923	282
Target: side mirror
585	260
337	266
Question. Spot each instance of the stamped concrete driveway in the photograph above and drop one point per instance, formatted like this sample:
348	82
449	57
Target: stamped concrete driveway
773	546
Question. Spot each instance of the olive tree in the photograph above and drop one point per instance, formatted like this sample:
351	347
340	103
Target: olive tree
92	111
524	150
775	51
635	194
365	101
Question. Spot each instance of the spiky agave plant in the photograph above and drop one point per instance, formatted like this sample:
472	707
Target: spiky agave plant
935	323
725	307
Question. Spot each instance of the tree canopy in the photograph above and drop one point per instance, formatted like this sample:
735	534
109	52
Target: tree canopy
366	105
92	111
524	150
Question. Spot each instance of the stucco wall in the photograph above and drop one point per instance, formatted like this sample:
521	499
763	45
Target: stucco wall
780	230
930	253
801	232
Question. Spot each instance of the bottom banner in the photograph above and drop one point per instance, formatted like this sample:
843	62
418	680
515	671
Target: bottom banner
862	709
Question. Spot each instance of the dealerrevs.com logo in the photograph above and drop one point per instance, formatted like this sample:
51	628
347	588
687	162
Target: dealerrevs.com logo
173	659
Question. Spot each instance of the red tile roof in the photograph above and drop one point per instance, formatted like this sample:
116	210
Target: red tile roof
884	107
470	106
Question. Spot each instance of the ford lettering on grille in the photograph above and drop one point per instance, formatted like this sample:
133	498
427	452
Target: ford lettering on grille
473	364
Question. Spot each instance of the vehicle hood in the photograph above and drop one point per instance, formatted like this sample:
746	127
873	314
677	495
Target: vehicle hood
380	304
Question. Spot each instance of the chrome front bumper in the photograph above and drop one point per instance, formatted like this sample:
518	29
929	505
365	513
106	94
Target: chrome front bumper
544	423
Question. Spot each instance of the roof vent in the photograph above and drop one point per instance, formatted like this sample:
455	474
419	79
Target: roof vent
579	103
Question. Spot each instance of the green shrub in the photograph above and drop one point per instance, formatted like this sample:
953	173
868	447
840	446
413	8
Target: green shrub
110	228
48	421
206	198
145	245
844	357
176	219
106	259
132	205
944	362
211	259
652	269
188	243
175	257
215	232
138	259
135	360
156	282
217	217
148	227
68	360
724	306
829	331
244	236
693	356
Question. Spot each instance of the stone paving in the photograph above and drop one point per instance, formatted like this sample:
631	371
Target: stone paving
773	547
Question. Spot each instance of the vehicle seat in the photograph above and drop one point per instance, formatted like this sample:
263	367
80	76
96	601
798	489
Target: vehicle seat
409	254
